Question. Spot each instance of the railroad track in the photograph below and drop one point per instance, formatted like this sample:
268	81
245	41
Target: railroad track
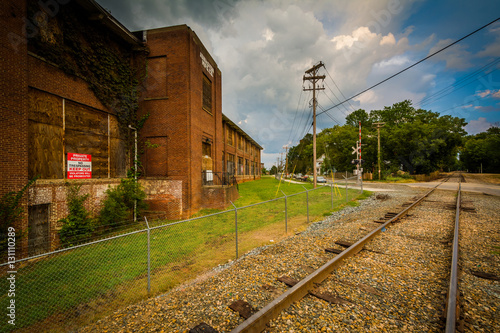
416	241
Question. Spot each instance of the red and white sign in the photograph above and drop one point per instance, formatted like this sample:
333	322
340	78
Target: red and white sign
79	166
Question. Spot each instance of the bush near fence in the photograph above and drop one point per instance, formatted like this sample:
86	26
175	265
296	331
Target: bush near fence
61	290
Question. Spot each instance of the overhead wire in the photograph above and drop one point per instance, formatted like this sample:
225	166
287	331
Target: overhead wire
461	83
413	65
331	78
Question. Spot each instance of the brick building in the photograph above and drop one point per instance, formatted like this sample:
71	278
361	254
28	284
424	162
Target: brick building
74	78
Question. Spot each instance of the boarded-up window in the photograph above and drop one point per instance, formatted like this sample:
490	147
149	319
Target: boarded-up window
207	94
156	81
87	133
45	136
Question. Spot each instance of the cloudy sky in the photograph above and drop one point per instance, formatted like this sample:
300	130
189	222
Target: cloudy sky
263	49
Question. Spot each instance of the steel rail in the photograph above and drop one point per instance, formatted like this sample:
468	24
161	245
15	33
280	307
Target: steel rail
257	322
451	311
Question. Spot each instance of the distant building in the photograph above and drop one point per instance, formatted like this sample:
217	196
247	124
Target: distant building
73	79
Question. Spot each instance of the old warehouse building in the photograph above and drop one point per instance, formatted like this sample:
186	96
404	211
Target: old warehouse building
74	79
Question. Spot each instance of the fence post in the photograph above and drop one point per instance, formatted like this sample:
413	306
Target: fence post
149	258
361	182
346	193
286	213
235	226
307	198
331	193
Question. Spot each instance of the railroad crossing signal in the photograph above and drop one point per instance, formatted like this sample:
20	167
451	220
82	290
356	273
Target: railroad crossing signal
355	150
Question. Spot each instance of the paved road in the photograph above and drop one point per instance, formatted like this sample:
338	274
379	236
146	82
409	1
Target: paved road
467	187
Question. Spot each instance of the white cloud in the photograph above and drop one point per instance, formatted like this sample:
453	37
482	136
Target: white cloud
388	40
488	92
478	126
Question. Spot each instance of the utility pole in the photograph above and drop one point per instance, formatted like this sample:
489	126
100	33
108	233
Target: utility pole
286	159
312	76
378	126
360	176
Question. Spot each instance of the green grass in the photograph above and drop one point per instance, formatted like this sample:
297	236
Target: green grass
74	284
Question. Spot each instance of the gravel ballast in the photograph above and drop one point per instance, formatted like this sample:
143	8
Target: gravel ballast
396	284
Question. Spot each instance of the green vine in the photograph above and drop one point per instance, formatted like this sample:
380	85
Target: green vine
87	49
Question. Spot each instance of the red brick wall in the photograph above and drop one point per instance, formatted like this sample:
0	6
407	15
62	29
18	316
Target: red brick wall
46	77
219	197
164	196
13	100
179	116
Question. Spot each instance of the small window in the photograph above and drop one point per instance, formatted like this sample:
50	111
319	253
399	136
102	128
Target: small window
207	94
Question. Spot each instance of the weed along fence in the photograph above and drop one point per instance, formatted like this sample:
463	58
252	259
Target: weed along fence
64	289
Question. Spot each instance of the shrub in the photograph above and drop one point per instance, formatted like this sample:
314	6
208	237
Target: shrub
10	212
119	203
77	226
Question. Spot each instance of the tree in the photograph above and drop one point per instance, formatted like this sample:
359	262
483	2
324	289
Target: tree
274	170
77	227
300	157
482	149
354	118
420	141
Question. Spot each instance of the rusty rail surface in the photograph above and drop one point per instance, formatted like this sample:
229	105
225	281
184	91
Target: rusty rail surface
452	309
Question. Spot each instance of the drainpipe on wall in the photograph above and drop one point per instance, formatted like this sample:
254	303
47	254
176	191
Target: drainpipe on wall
135	170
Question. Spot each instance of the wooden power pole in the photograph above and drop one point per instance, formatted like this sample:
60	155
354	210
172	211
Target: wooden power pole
378	126
312	76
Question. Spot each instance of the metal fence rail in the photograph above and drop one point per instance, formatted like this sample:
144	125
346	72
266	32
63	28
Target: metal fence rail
62	289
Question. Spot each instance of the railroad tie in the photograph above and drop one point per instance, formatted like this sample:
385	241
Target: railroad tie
243	308
203	328
326	296
332	250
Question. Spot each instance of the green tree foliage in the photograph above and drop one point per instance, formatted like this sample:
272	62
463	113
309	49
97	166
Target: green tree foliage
482	149
274	170
78	225
416	140
300	157
119	203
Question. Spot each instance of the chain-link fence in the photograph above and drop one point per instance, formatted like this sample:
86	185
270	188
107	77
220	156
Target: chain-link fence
64	289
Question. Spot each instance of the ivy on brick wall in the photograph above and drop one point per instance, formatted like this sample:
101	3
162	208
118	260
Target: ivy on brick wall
87	49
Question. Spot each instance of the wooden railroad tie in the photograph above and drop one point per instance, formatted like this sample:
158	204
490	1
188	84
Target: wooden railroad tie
332	250
203	328
243	308
485	275
329	297
344	243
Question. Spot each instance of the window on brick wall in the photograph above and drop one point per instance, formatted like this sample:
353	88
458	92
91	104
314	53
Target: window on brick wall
240	166
206	152
247	169
207	94
240	142
230	137
230	164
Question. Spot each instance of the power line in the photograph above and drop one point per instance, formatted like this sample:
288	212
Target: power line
411	66
345	114
353	109
458	85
